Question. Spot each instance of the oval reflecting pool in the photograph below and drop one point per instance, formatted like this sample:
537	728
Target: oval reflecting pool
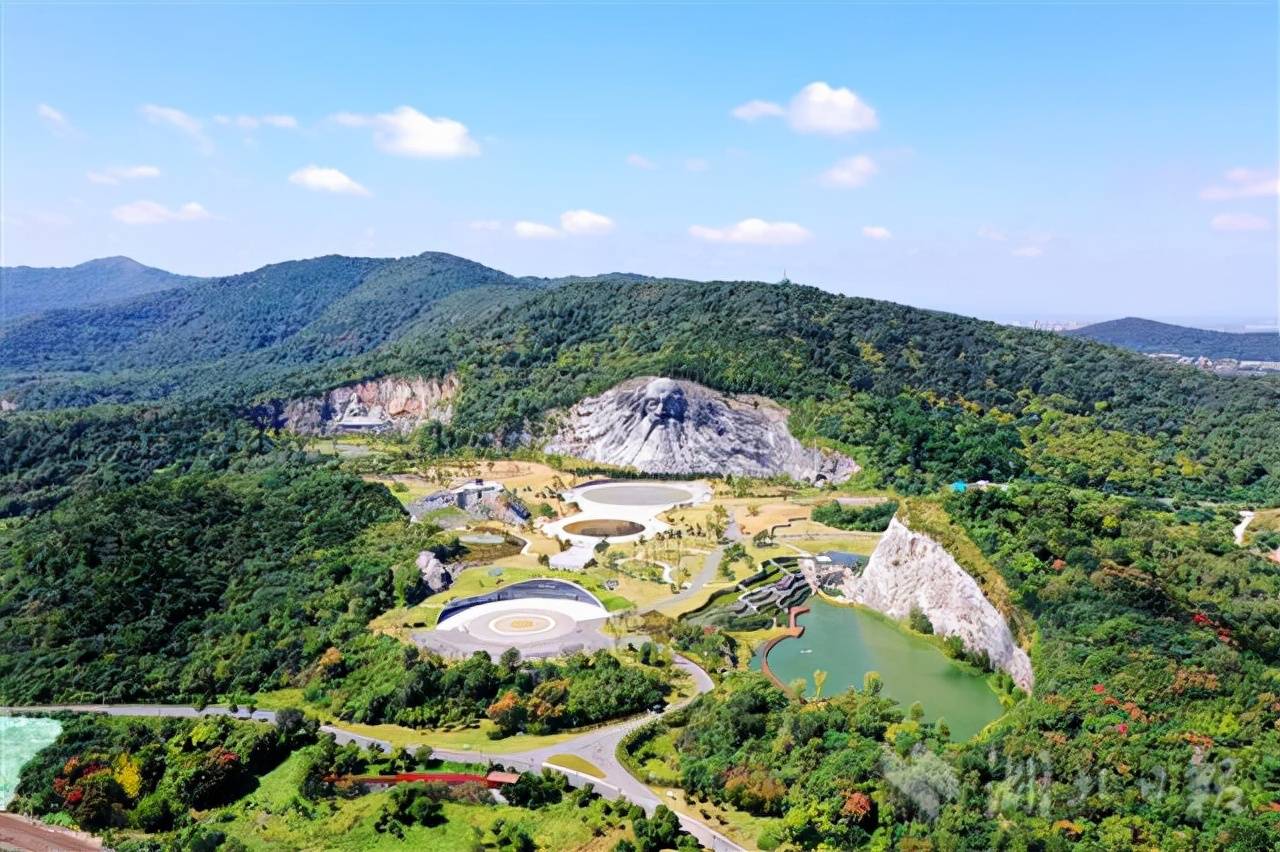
637	494
847	642
603	528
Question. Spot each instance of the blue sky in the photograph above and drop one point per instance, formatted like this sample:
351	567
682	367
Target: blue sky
1001	160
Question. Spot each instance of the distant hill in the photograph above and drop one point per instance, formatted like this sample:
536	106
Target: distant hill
240	333
27	290
1144	335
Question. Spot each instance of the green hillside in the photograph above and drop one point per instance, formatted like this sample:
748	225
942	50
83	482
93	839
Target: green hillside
26	290
1143	335
928	397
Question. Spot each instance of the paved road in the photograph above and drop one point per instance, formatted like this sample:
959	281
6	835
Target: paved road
599	746
19	832
710	563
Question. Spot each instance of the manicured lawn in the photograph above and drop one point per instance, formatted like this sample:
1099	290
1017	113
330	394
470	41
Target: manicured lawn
348	824
739	826
850	542
576	763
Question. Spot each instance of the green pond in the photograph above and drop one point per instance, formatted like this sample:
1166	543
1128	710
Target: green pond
20	738
847	642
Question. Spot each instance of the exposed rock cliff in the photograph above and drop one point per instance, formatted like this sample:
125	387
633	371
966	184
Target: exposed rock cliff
378	405
912	571
670	426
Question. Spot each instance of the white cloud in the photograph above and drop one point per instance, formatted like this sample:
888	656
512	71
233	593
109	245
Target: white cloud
851	172
119	174
485	225
1243	183
757	109
322	179
408	133
754	231
179	120
251	122
153	213
585	222
996	235
54	118
1239	222
876	232
639	161
696	164
1027	251
535	231
817	108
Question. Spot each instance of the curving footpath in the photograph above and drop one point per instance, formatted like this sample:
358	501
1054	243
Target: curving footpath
600	746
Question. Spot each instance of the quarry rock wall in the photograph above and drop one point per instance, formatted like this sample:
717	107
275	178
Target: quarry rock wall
909	570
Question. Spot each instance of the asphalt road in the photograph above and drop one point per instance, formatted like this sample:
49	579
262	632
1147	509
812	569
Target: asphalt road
598	745
19	832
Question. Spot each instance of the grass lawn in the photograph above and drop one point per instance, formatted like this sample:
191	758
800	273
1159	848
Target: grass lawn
348	824
405	487
1264	520
576	763
704	594
739	826
466	739
850	542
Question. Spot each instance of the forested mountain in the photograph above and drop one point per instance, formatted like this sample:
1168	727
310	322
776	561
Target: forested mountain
216	338
1144	335
926	397
26	290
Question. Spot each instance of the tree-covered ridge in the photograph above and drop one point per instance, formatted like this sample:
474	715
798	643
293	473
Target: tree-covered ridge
26	290
1143	335
933	396
221	338
46	457
190	586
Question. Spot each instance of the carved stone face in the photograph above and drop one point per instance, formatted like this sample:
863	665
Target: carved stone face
663	400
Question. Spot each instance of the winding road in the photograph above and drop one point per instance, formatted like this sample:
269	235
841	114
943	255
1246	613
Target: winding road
599	745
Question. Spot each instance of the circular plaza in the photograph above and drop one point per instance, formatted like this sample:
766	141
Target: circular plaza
622	511
539	618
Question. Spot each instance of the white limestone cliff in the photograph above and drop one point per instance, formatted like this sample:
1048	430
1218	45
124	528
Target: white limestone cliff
389	403
659	425
909	570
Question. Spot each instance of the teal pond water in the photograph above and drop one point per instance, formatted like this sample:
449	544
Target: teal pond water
20	738
847	642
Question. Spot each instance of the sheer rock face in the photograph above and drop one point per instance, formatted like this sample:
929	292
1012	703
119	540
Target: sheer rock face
661	425
909	571
388	404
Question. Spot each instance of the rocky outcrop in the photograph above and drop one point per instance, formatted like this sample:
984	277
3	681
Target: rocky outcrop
435	574
661	425
379	405
910	571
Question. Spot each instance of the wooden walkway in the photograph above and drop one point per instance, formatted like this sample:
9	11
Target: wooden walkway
794	631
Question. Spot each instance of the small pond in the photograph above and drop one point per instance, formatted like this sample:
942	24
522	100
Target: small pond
482	538
847	642
20	738
603	528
